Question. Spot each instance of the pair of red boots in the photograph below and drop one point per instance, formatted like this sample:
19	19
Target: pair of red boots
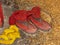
29	21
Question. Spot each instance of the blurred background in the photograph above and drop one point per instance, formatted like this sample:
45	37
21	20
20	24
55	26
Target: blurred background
49	12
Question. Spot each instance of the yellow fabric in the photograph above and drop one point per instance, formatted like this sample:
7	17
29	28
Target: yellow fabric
10	35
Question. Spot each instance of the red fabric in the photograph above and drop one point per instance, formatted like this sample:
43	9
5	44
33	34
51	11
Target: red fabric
1	15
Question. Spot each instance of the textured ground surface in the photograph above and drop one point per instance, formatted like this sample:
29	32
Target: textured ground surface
49	12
